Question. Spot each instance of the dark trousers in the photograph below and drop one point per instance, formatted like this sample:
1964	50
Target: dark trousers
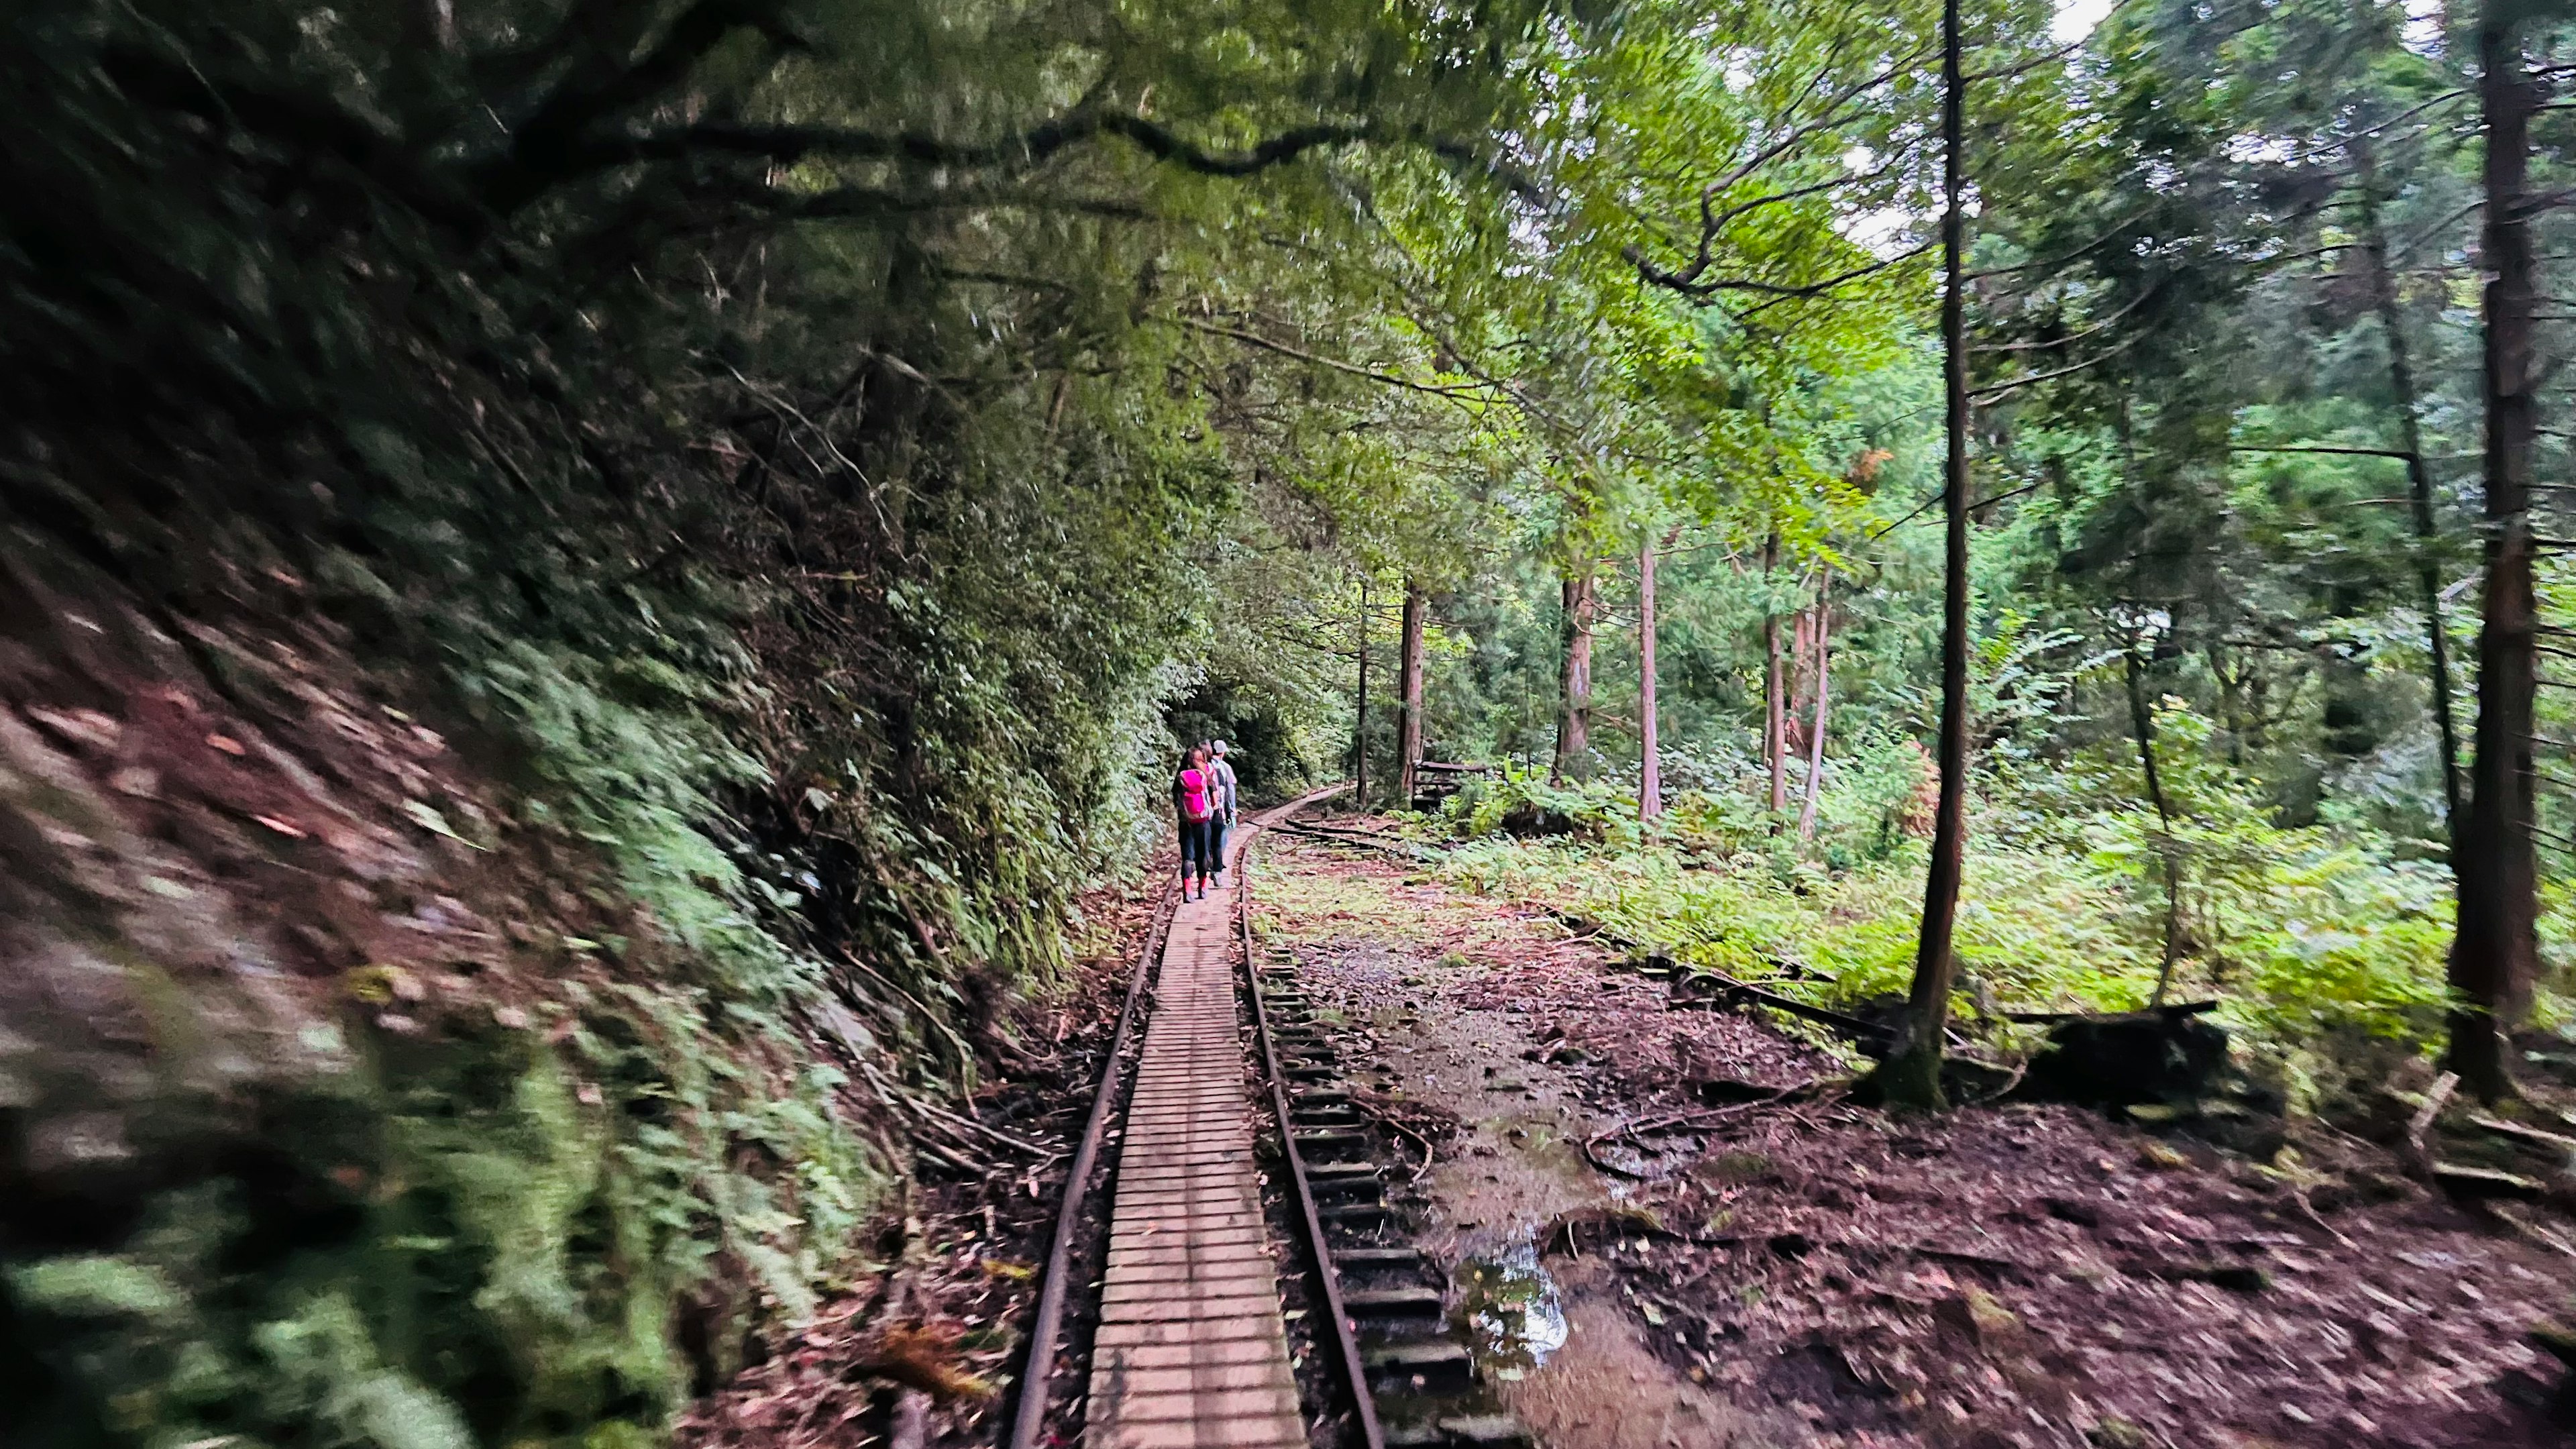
1216	842
1197	839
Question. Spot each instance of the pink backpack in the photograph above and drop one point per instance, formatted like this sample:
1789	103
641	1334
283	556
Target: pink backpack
1194	796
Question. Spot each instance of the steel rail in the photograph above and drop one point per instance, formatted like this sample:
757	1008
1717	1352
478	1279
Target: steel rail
1030	1422
1353	1373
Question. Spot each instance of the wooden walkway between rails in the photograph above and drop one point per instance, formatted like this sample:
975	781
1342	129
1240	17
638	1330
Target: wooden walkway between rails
1192	1349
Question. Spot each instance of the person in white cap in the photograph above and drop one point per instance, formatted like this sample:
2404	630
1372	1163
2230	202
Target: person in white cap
1225	802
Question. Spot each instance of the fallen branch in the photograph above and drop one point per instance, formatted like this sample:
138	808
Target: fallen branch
1401	849
2527	1136
1691	1118
2171	1008
1730	991
1632	1174
2419	1158
2020	1070
1965	1259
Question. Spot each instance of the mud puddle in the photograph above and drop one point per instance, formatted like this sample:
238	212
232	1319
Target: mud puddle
1509	1312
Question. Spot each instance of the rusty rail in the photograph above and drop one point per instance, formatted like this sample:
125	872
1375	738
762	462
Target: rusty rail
1048	1322
1319	1254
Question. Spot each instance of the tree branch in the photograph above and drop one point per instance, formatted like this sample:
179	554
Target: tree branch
549	148
2317	448
1997	389
2104	325
1255	339
1781	291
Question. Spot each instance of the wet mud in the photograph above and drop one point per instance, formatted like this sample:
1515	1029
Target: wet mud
1643	1249
1555	1340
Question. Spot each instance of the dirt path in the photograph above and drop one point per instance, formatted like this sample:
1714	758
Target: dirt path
1812	1273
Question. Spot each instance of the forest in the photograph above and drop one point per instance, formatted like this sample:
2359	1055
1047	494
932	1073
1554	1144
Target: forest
599	600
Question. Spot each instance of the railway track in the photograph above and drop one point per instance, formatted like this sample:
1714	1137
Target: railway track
1245	1181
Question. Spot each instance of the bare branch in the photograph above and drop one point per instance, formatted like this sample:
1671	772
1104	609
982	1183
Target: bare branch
2062	258
2026	67
1835	114
1255	339
1997	389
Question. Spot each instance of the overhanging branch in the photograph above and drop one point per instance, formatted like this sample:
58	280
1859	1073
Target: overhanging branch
1255	339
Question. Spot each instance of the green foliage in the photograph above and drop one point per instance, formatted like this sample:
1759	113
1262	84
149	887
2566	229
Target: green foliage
454	1248
1522	801
2303	932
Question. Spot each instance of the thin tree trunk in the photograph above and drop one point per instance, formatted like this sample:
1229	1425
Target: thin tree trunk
1574	722
1912	1076
1359	730
2142	721
1408	742
2230	715
1775	703
2419	477
1650	777
1802	673
1816	724
2494	953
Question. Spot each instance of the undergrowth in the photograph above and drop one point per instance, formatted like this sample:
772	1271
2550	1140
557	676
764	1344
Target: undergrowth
2299	933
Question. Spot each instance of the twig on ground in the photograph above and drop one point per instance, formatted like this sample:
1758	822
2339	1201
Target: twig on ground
1690	1118
2530	1232
2299	1195
911	1406
2020	1070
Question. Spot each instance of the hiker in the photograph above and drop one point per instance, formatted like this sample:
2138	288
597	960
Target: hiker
1223	776
1194	802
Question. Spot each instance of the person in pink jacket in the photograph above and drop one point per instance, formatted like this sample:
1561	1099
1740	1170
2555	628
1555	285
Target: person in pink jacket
1194	803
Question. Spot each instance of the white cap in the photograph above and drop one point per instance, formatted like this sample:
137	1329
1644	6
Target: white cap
1218	746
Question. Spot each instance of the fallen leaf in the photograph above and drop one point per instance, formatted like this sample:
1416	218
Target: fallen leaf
371	984
426	816
228	745
2155	1154
924	1358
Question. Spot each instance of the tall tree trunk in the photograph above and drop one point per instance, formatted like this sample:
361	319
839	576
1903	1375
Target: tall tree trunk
2495	952
1912	1075
1801	679
1408	675
2142	721
1775	700
1574	721
1359	729
1650	775
1816	723
2419	475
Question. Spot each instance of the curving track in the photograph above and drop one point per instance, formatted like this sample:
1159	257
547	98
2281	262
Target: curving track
1191	1348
